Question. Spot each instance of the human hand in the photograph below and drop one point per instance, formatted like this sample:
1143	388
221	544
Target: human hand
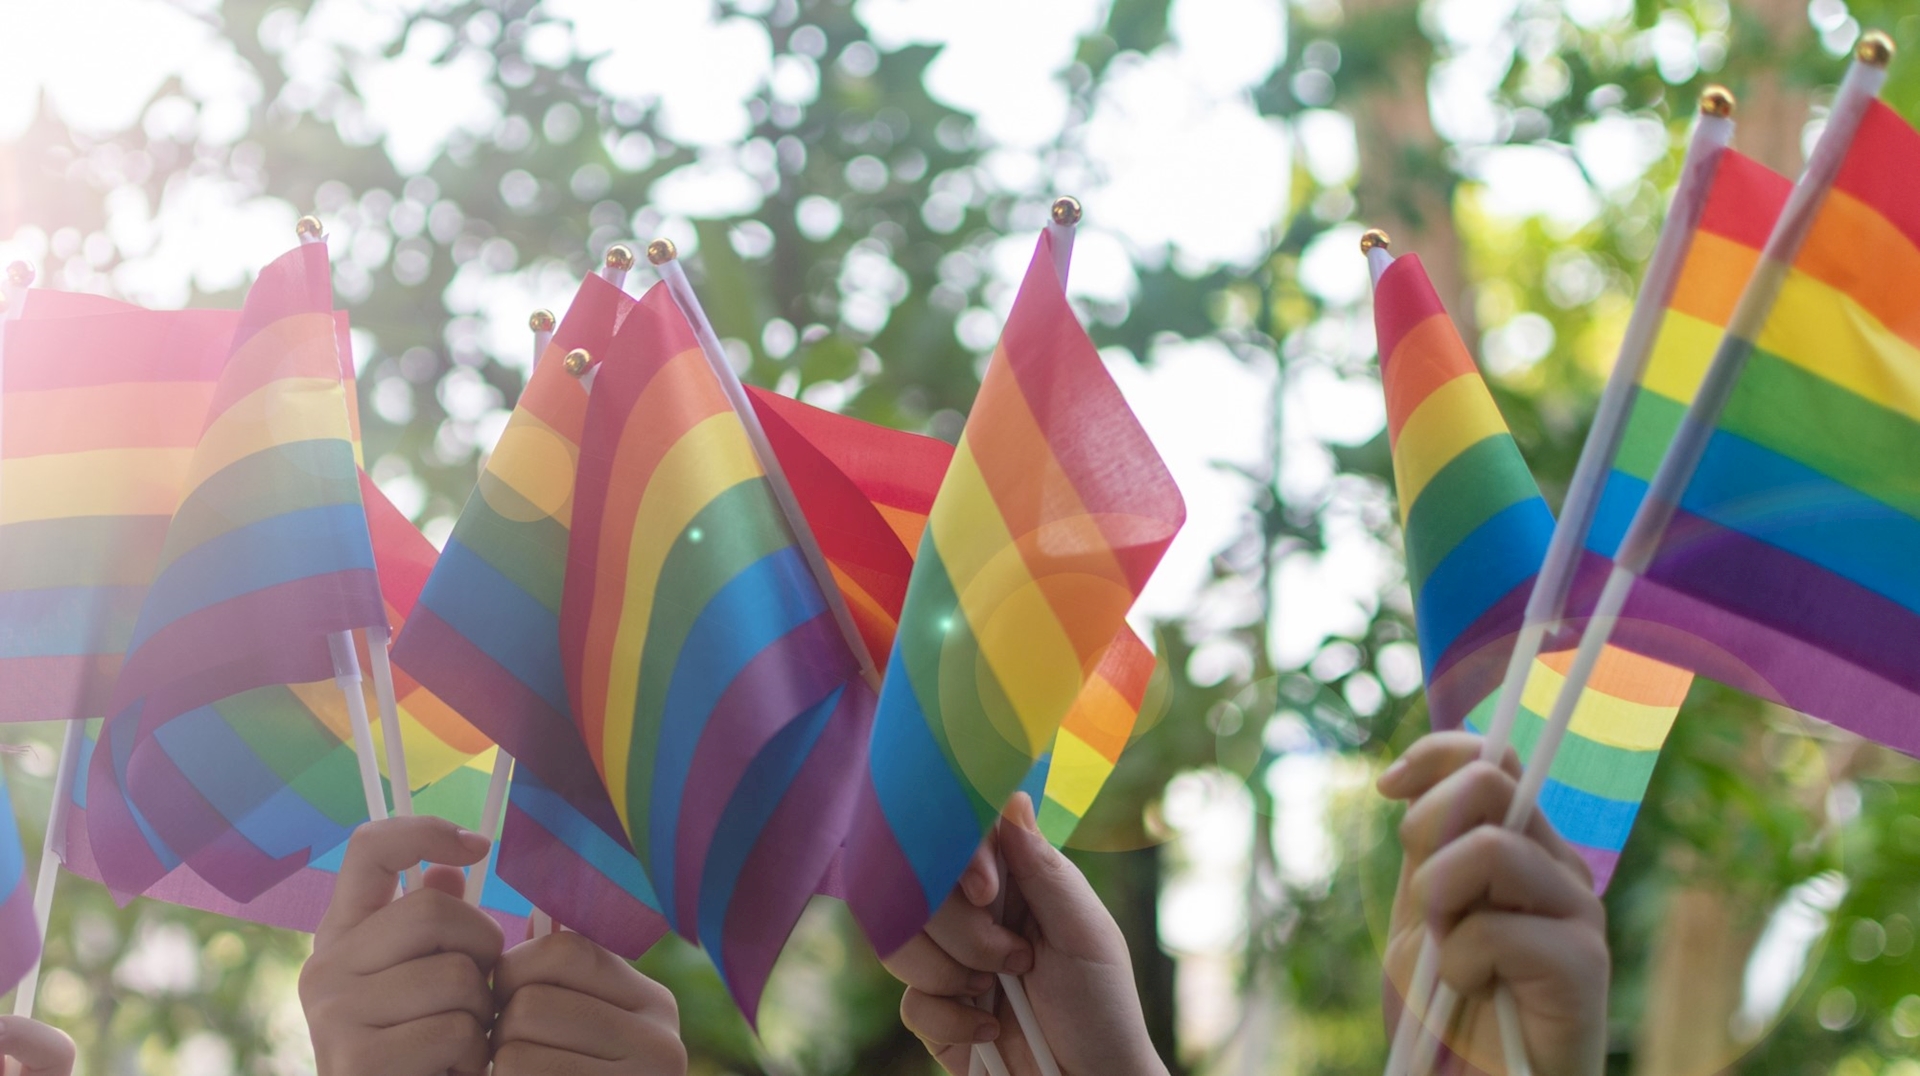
1077	972
568	1005
1509	908
31	1048
400	986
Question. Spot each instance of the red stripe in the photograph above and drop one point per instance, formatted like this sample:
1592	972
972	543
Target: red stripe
184	345
1402	298
890	467
404	555
1745	200
1881	168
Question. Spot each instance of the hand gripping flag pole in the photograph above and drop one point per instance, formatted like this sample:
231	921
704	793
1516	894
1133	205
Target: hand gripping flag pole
1413	1042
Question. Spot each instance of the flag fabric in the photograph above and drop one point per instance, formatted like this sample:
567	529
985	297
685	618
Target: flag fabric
1788	569
104	404
298	901
865	491
709	678
484	637
1476	531
1054	512
266	556
19	931
1093	734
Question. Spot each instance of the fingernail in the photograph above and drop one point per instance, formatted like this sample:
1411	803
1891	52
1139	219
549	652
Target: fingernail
979	983
975	887
987	1030
1391	775
1019	963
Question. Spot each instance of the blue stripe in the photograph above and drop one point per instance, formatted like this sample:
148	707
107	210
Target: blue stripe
762	788
1584	818
1035	786
577	831
13	858
68	621
281	549
931	816
1773	499
754	610
504	622
254	799
1619	499
1500	554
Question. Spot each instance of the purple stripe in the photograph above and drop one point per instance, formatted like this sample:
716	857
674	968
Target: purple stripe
294	904
66	688
794	851
1601	862
497	703
127	865
19	934
244	643
196	831
1476	662
562	884
887	899
779	684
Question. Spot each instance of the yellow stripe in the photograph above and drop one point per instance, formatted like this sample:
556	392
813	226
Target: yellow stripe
712	456
1020	639
277	413
1829	334
1602	718
1452	417
1076	773
1681	354
108	482
538	465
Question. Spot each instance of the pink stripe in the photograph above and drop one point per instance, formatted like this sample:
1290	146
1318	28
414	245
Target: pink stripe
19	935
794	851
126	864
1601	862
63	688
562	884
886	895
781	682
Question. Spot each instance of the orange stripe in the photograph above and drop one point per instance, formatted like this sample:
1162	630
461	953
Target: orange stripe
1712	278
156	414
444	722
557	399
296	346
1626	675
1427	357
1858	251
909	525
681	395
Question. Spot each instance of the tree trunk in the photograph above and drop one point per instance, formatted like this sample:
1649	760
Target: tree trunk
1773	110
1693	988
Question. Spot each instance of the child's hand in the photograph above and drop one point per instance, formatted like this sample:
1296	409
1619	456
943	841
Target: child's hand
567	1005
33	1049
400	986
1073	956
1509	908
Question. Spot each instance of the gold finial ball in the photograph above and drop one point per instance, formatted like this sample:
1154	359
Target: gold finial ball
1875	49
577	361
307	227
1375	237
1066	211
661	251
540	321
1717	101
20	274
620	256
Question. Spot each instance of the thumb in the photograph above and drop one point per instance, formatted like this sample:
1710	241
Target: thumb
39	1049
1059	899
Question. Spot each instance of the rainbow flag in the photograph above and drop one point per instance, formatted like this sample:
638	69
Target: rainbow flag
1053	514
866	491
1093	734
1476	531
706	669
298	901
267	555
101	417
484	637
1789	567
19	930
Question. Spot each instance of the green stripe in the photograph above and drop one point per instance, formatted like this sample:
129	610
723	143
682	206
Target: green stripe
1476	485
530	550
459	797
1056	822
298	747
956	689
1841	434
1650	429
271	482
1600	769
739	527
81	551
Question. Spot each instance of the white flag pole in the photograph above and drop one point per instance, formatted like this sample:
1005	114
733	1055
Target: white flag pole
378	640
542	323
666	259
1548	598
